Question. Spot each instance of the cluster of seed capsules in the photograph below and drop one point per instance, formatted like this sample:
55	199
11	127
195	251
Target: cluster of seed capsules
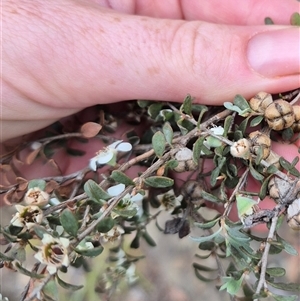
279	115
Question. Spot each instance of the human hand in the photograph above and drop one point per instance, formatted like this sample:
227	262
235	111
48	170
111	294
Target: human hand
60	57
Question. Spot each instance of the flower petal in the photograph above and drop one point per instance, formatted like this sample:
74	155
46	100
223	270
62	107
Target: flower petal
124	147
116	189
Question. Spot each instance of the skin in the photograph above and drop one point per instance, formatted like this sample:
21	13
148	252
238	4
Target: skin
59	57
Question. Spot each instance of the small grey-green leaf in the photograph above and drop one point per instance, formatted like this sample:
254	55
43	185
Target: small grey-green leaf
186	107
168	132
203	267
230	106
105	225
28	273
68	286
197	149
6	258
287	247
268	21
120	177
264	188
227	125
289	167
207	225
40	231
207	246
154	109
293	287
207	238
256	120
284	298
166	114
204	109
276	272
143	103
184	125
295	19
50	291
135	244
41	184
159	181
159	143
255	174
95	192
210	197
126	212
172	164
90	252
241	102
148	239
202	278
69	222
243	125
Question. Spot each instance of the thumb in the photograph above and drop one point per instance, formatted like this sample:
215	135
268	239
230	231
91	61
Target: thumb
75	55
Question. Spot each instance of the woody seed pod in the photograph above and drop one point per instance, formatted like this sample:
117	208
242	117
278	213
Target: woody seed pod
184	157
260	102
241	149
192	192
296	124
293	215
259	139
279	115
273	159
278	189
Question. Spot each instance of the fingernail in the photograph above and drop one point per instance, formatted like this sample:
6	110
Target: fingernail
275	52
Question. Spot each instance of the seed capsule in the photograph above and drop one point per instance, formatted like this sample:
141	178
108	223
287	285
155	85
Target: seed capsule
279	115
278	189
241	149
260	140
260	102
184	157
192	192
296	124
293	215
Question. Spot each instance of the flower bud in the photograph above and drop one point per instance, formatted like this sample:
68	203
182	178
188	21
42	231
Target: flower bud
241	149
296	124
260	102
279	115
293	215
36	196
259	139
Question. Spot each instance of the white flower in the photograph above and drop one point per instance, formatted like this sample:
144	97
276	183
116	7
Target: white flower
116	190
130	274
27	216
53	253
130	203
212	141
169	199
112	235
109	153
36	196
3	298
